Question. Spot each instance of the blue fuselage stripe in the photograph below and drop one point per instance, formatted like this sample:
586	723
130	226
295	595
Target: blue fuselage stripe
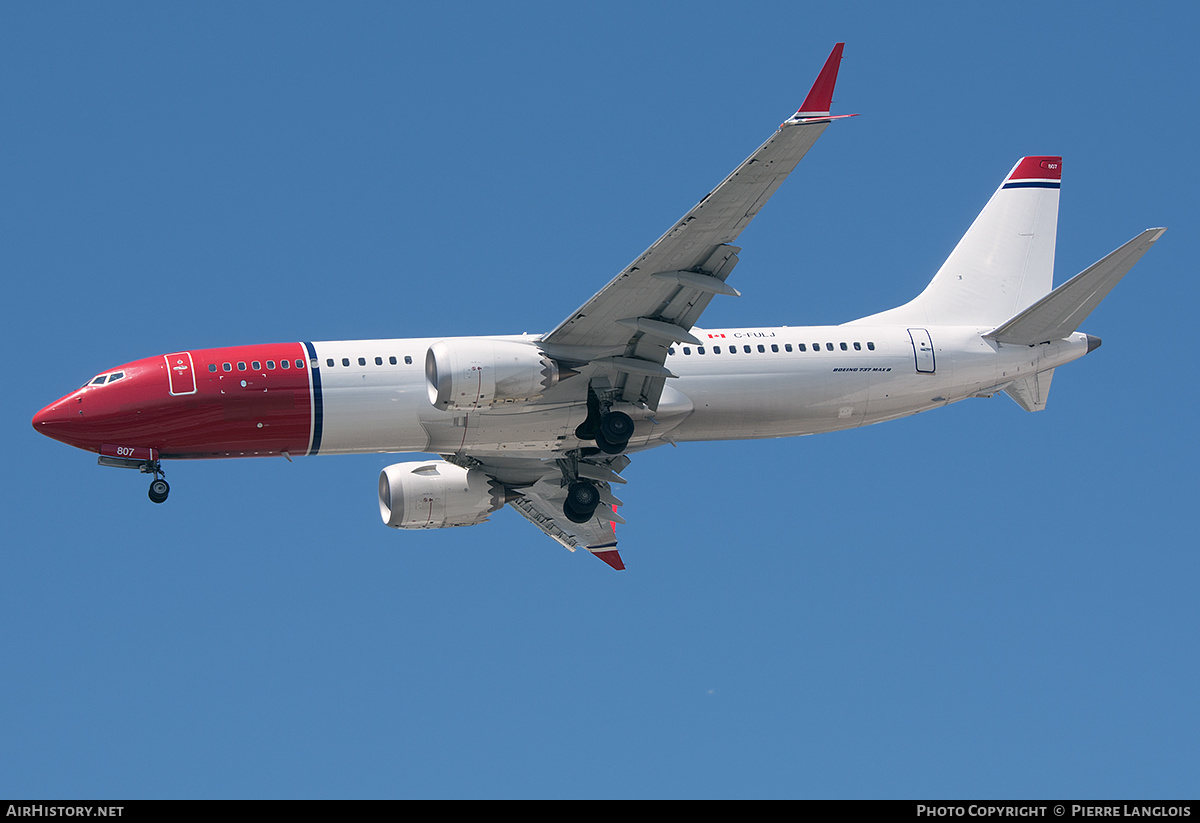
318	411
1033	184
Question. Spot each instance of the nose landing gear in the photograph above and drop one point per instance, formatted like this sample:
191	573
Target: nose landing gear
142	458
159	488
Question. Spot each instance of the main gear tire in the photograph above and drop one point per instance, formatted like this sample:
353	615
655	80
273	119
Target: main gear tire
582	500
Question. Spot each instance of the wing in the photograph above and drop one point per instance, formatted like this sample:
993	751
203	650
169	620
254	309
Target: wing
598	535
538	489
619	339
626	328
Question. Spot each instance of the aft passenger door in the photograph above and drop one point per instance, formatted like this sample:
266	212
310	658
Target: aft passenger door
922	350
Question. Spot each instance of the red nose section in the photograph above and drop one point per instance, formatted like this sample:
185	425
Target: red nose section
88	417
50	415
239	401
62	420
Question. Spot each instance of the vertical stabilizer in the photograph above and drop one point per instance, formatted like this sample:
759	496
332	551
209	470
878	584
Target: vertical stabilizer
1005	261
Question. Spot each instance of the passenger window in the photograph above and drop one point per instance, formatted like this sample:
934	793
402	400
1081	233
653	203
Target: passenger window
844	347
226	367
241	365
858	346
871	346
774	347
378	361
733	349
392	359
788	346
270	365
212	366
802	347
257	366
716	349
407	360
283	364
700	350
329	362
345	361
362	361
829	347
671	350
687	350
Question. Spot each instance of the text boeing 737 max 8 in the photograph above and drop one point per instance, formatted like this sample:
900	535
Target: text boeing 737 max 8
544	423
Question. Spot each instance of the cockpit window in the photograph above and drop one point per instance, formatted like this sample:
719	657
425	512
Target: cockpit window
102	379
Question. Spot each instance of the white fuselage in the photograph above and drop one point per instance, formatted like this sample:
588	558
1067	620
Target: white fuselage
747	383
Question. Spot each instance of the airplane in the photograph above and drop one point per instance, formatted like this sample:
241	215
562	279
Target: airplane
545	423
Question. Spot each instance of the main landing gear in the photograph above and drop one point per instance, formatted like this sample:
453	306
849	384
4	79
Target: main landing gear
615	430
582	499
610	429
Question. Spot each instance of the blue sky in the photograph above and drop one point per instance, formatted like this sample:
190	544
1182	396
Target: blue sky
977	602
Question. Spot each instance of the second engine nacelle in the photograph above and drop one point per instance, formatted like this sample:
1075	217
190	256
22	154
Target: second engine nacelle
476	373
435	494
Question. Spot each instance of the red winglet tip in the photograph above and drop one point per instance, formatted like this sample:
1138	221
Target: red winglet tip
612	558
820	96
1037	168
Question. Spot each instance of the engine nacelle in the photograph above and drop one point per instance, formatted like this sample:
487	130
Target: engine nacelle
435	494
476	373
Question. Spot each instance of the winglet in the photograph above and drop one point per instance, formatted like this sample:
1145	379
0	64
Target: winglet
820	96
612	557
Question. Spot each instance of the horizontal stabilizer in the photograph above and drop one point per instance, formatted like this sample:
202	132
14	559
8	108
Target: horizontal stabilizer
1060	313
